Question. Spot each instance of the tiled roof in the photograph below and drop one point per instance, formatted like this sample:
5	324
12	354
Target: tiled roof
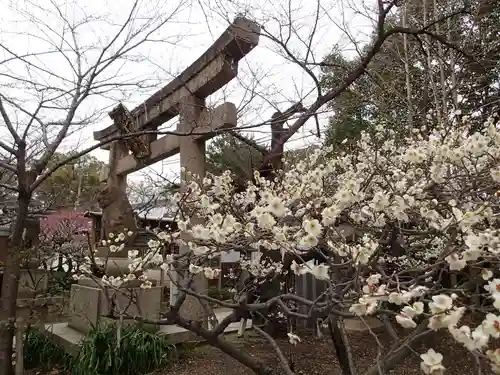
157	212
161	210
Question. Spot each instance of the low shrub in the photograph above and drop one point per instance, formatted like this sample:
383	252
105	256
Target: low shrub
139	351
44	355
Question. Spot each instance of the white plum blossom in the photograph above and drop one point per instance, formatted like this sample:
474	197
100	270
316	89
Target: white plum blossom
486	274
308	242
432	363
132	254
412	311
444	320
440	303
312	227
266	221
397	298
182	225
472	340
210	273
494	357
491	325
195	269
405	321
495	174
293	338
146	284
373	279
365	306
320	272
456	263
112	281
276	207
389	215
200	250
299	269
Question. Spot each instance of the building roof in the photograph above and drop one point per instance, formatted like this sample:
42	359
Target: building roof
161	210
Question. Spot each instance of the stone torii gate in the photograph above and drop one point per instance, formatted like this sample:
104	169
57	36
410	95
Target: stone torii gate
184	96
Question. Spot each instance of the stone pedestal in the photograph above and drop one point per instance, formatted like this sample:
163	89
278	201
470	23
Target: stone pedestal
89	303
117	262
32	282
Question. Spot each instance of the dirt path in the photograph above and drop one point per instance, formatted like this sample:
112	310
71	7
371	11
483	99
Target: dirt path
315	357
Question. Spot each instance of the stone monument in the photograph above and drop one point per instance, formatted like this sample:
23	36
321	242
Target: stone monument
89	300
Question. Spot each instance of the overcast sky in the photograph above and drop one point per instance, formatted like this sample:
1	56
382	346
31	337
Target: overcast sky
192	29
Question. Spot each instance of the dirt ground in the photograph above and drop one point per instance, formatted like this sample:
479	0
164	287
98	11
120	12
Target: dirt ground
315	357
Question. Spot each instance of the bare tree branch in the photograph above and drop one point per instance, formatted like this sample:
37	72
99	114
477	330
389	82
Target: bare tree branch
8	123
382	36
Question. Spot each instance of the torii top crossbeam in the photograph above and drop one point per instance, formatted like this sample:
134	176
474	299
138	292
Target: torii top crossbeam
210	72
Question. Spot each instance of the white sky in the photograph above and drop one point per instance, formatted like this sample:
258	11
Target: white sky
192	30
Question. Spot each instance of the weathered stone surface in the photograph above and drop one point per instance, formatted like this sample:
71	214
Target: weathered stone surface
69	338
222	117
135	302
84	307
192	155
89	304
117	213
210	72
126	124
32	282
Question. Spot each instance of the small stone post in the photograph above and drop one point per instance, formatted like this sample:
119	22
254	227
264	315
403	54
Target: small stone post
21	328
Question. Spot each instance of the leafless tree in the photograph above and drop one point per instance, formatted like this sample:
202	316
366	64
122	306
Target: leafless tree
61	67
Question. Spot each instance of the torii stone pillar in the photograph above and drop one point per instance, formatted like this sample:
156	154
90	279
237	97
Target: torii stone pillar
192	159
117	213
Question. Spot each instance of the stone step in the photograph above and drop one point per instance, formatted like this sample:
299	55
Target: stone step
362	325
69	338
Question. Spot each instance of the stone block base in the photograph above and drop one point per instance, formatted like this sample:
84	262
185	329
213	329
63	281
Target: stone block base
32	282
88	305
357	325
